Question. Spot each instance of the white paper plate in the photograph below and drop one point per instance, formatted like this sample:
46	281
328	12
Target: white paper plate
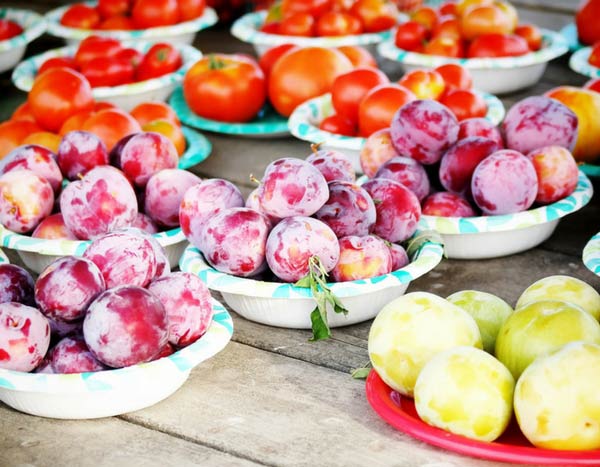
285	305
125	96
13	49
181	33
579	63
113	392
493	75
305	119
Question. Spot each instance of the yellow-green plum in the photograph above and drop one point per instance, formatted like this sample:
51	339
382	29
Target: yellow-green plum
410	330
542	327
466	391
557	402
565	288
489	312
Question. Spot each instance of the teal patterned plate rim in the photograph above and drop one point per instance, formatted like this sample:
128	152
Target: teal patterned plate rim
208	18
520	220
246	29
305	119
554	45
198	148
33	24
209	344
579	63
591	254
569	32
269	123
424	260
25	73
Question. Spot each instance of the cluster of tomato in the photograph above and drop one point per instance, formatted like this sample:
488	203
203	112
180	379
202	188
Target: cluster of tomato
131	14
468	29
9	29
329	17
106	62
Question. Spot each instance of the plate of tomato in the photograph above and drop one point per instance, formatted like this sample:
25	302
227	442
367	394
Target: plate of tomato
175	21
17	29
586	61
119	74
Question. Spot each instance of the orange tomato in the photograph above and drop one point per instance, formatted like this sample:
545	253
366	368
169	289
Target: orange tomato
110	125
23	112
13	132
147	112
486	19
359	56
44	138
424	84
170	130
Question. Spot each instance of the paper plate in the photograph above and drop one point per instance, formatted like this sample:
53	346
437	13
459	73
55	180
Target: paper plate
591	254
494	236
512	446
579	63
305	119
125	96
494	75
268	124
113	392
569	32
247	28
181	33
198	148
13	49
288	306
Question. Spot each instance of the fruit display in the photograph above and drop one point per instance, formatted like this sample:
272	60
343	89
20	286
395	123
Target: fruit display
542	354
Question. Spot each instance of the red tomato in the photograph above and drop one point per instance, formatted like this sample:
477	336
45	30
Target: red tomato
448	8
315	8
297	24
350	88
303	74
227	88
427	16
110	125
375	15
80	16
117	23
424	84
147	112
455	76
110	8
268	59
57	62
531	34
9	29
498	45
108	71
96	46
191	9
378	107
161	58
359	56
593	85
594	58
56	95
445	47
464	104
153	13
411	36
130	55
337	23
338	125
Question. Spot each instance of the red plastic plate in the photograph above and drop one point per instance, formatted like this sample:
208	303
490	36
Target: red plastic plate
512	446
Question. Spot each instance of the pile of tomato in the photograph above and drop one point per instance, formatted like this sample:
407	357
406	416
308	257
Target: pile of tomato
131	14
9	29
468	29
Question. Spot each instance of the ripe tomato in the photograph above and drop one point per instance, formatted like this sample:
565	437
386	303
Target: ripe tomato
350	88
337	23
108	71
338	125
455	76
57	62
411	36
593	85
315	8
153	13
427	16
130	55
147	112
445	47
170	130
13	132
9	29
268	59
531	34
56	95
297	24
96	46
594	58
359	56
375	15
486	19
110	8
464	104
80	16
378	107
110	125
424	84
191	9
303	74
23	112
227	88
586	20
160	59
498	45
117	23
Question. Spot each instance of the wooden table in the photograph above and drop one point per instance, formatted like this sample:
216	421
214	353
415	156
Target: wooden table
271	397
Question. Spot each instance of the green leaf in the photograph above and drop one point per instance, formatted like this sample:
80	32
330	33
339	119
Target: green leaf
320	328
360	373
